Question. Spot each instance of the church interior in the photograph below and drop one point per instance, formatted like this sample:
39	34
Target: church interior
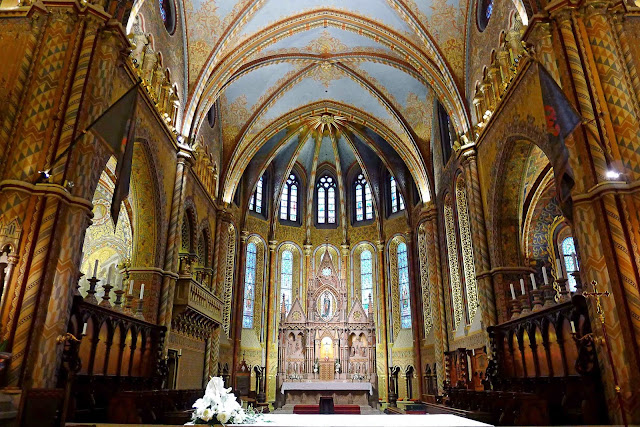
362	206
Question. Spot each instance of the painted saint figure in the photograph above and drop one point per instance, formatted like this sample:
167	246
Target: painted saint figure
326	306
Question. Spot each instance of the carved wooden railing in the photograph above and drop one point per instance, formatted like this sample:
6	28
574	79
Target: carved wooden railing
116	352
540	355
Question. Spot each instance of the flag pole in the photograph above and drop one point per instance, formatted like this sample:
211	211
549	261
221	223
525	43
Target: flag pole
45	174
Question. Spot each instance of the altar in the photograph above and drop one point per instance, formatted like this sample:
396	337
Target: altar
381	420
326	344
343	393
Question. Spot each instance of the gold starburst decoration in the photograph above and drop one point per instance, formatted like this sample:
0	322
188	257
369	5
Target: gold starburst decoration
326	121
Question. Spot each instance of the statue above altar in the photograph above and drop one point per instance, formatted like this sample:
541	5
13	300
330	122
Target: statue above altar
333	340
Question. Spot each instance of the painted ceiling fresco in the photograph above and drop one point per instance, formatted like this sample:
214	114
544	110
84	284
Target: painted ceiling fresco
271	64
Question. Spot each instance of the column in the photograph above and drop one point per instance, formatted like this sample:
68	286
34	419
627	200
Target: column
272	306
382	298
344	274
416	307
438	307
306	273
481	260
184	160
239	299
46	110
604	222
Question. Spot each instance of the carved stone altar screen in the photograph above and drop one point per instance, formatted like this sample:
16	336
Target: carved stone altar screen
327	343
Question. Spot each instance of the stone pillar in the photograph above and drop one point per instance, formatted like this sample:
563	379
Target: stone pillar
482	261
382	298
438	307
173	239
600	84
344	274
53	97
239	299
307	250
271	345
417	328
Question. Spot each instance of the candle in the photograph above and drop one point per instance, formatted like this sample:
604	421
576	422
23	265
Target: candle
120	282
264	357
558	268
533	281
95	269
513	293
522	286
180	352
130	286
109	274
544	275
573	327
141	290
84	329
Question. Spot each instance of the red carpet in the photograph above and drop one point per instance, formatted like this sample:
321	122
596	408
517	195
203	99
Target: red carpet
338	409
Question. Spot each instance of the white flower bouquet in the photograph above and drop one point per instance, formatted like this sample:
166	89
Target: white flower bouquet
219	406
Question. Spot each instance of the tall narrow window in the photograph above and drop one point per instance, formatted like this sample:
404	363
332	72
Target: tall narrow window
286	279
326	190
363	199
289	199
366	277
249	287
445	133
397	202
257	198
570	260
403	286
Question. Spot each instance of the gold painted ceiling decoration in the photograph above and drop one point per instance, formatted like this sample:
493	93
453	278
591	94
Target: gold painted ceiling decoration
377	63
327	121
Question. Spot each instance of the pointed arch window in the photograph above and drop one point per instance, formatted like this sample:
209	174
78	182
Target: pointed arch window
289	199
286	279
363	199
249	286
326	189
366	277
397	201
570	259
403	286
256	202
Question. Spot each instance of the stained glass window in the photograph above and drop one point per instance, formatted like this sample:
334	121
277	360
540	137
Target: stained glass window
403	286
289	199
570	261
286	279
167	13
488	9
326	190
249	286
397	202
363	199
366	277
257	197
485	10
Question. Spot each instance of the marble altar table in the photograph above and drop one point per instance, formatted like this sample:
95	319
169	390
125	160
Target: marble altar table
343	393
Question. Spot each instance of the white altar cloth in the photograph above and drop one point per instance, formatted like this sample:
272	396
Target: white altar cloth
326	385
382	420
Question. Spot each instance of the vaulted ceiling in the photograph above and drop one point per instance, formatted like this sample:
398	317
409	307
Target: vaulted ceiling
274	65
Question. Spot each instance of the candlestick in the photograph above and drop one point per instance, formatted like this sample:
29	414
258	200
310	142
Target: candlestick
544	275
117	305
91	292
109	274
516	308
525	304
84	329
141	291
522	286
533	281
105	298
139	314
538	296
558	269
513	293
95	269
